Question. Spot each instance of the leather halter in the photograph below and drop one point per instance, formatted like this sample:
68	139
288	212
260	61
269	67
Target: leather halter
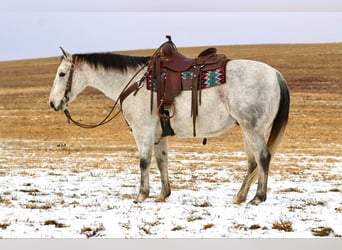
69	82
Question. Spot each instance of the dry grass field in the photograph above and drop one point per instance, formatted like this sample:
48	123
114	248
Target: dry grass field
29	128
313	73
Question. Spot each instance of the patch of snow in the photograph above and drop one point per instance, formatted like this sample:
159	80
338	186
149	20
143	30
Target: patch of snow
70	195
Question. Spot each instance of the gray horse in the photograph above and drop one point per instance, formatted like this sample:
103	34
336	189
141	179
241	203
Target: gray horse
254	97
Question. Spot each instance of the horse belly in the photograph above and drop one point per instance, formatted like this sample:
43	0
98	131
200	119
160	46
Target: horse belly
213	115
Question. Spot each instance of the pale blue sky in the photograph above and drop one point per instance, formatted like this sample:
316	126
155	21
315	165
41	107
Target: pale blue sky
35	29
174	5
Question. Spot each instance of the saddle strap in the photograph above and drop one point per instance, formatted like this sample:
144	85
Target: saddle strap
156	72
172	86
194	98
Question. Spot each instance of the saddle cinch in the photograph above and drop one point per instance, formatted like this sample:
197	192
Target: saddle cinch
167	72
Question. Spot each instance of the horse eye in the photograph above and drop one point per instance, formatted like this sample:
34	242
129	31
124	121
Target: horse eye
62	74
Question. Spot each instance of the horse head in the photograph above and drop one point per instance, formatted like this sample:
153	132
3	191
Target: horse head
67	84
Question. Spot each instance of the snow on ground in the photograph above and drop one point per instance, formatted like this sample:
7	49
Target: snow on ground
49	191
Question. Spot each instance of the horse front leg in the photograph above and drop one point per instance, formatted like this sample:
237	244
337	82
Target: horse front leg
144	190
161	154
145	155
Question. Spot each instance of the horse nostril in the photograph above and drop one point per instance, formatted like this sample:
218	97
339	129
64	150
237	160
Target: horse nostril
52	106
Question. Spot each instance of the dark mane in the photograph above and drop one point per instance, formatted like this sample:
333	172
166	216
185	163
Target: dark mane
111	60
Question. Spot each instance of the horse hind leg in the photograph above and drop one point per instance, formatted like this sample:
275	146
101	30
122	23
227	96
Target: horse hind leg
263	158
161	154
250	176
259	159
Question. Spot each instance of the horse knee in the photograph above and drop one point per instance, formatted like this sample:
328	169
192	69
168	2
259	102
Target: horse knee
144	164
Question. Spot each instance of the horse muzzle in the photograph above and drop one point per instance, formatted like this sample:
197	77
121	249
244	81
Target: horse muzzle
62	106
53	106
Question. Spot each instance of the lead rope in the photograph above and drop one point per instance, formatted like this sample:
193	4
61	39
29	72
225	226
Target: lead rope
108	119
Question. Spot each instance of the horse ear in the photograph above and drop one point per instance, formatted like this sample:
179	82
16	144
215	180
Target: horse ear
65	54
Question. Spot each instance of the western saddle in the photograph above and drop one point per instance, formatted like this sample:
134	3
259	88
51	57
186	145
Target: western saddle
166	67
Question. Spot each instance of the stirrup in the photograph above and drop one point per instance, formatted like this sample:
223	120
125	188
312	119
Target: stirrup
162	115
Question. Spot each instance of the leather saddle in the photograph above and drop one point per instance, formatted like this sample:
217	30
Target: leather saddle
167	66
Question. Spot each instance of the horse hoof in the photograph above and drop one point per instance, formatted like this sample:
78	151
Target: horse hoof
160	199
140	198
237	200
136	201
256	201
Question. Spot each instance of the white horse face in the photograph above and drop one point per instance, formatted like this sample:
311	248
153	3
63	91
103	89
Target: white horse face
59	95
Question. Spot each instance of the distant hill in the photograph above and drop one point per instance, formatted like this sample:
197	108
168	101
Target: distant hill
307	67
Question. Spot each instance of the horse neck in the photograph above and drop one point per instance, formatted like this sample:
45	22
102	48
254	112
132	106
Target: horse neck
109	82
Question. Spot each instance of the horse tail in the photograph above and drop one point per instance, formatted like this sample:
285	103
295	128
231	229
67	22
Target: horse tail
280	121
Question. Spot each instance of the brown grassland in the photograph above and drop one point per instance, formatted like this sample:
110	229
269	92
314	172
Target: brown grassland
313	72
